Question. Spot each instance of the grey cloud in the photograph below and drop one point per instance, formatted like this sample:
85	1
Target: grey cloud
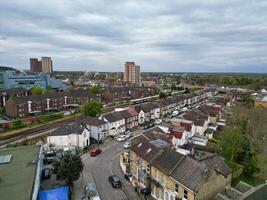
192	35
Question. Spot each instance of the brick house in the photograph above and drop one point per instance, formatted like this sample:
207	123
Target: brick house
171	175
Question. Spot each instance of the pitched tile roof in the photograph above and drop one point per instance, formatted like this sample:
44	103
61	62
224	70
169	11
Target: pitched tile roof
144	149
114	116
167	161
67	130
190	173
93	121
157	133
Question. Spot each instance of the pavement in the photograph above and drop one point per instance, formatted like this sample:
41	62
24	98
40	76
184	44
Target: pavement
98	169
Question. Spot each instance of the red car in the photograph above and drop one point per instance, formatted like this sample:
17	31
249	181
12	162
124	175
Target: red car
95	152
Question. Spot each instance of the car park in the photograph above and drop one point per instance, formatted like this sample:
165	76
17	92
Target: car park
121	138
126	145
95	152
114	181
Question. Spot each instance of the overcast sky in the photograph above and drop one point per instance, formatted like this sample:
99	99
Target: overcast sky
169	35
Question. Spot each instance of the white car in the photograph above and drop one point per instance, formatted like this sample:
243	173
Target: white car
127	145
121	138
158	121
175	113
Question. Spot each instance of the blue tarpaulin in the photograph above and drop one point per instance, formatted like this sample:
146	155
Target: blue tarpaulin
54	194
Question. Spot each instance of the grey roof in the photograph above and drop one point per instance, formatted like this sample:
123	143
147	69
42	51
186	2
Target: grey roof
144	149
190	173
167	161
93	121
217	164
67	130
114	116
157	133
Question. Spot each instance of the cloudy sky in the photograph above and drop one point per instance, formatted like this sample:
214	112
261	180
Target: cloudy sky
170	35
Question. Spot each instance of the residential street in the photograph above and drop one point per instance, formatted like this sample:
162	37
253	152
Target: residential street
98	169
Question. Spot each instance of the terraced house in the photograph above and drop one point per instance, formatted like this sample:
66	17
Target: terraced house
170	175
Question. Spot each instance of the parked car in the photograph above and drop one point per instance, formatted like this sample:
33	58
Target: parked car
184	109
115	181
95	152
129	135
126	145
121	138
127	175
158	121
127	132
46	173
175	113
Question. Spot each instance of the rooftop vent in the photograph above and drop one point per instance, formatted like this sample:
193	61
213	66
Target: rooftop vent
139	145
5	158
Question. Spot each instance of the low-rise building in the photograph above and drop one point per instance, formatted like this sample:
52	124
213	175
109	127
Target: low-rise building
98	128
171	175
147	112
12	79
20	169
116	122
70	135
32	104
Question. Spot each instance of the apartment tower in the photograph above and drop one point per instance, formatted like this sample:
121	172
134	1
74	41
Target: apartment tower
132	73
47	66
35	65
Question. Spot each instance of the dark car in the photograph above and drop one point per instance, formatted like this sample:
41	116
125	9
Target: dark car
115	181
95	152
46	173
127	175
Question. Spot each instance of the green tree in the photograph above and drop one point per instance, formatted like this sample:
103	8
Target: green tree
162	95
37	90
2	111
247	100
91	108
69	168
231	142
95	89
173	87
49	90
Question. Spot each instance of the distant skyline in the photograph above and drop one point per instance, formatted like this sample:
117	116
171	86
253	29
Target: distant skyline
168	36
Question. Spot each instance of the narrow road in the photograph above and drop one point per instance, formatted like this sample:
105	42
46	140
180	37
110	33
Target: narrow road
101	167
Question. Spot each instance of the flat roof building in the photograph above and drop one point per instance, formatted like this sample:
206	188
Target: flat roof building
20	175
12	79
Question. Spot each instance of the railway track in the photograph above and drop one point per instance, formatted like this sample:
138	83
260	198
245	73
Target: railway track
31	132
36	131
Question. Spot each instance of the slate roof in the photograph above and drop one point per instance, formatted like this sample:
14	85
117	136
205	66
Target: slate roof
167	161
157	133
144	149
190	173
218	164
67	130
93	121
114	116
146	107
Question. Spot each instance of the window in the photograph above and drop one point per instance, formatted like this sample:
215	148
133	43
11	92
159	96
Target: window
176	188
185	194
